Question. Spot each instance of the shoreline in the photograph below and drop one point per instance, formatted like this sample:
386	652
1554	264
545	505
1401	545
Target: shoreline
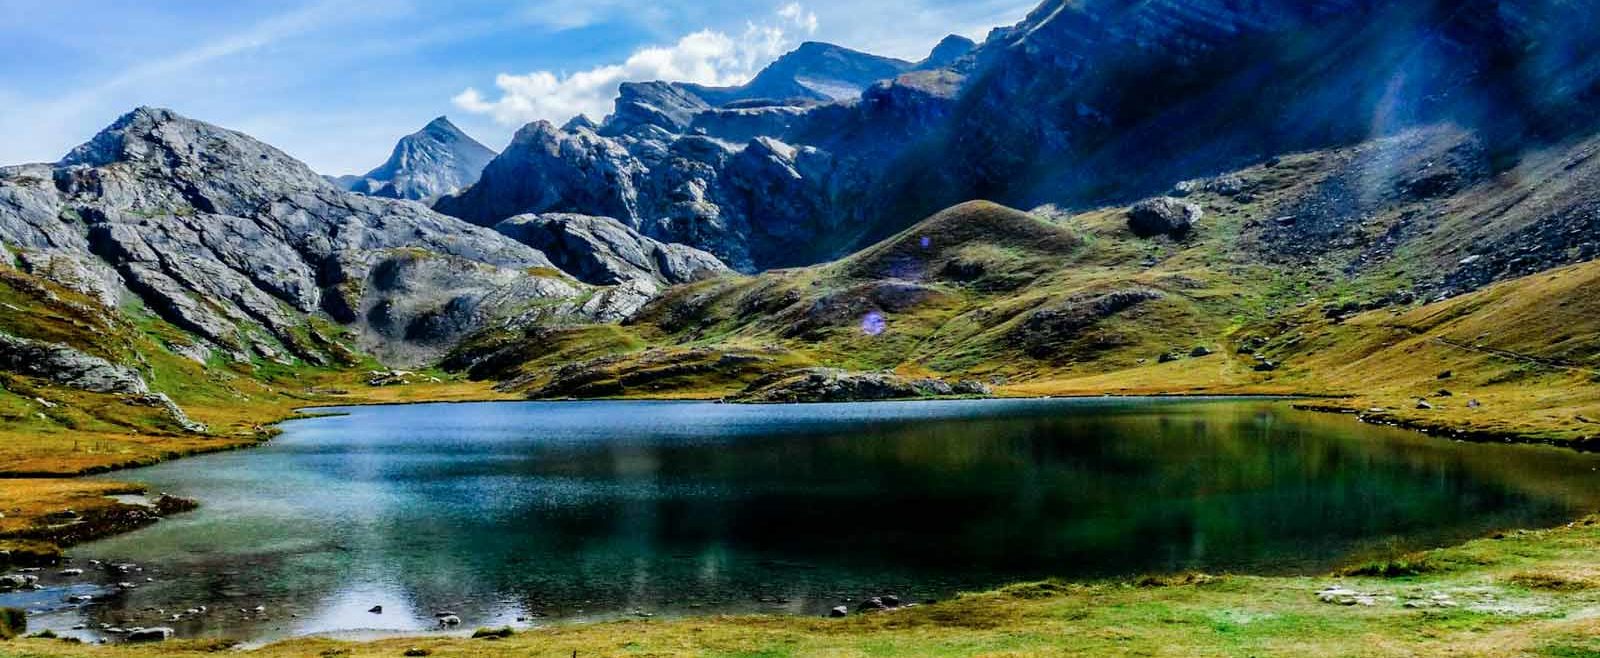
575	626
271	429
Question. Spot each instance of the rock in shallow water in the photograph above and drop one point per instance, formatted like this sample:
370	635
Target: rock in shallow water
153	634
831	385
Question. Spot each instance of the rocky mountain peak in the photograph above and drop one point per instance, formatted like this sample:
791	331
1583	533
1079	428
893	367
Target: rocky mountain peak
437	160
159	137
441	124
157	159
948	50
238	244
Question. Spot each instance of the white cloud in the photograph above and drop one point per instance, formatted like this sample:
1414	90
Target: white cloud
708	57
798	16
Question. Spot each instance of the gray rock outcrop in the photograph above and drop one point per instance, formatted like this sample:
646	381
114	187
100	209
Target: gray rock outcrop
604	251
947	52
831	385
1163	216
68	367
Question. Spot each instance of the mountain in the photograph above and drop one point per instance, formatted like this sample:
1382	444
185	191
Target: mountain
1125	98
437	160
248	251
690	164
814	71
1082	103
947	52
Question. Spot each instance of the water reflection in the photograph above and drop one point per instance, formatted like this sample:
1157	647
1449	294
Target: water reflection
532	512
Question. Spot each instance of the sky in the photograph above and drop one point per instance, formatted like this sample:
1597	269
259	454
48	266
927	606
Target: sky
336	82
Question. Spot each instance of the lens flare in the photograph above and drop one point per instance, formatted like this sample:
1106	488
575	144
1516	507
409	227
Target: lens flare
874	324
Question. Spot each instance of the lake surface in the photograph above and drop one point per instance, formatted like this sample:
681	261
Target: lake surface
543	512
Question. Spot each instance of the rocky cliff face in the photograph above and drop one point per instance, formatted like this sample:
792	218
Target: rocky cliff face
237	243
1125	98
708	167
429	163
814	71
603	251
947	53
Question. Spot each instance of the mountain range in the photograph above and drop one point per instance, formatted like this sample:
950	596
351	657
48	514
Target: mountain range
1199	194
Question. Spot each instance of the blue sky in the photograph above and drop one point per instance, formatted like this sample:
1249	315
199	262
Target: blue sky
335	82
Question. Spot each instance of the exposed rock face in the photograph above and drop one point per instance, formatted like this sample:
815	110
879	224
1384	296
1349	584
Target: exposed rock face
68	367
949	50
236	242
546	169
751	205
830	385
172	411
1163	216
432	162
665	105
696	165
604	251
813	71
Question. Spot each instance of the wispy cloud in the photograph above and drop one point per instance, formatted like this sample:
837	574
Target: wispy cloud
259	35
708	57
797	15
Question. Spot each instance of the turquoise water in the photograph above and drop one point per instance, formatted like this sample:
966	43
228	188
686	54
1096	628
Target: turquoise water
542	512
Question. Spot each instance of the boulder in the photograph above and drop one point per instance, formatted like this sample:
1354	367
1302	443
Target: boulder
1163	216
831	385
153	634
874	604
68	367
172	411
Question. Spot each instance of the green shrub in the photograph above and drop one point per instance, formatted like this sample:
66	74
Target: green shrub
493	633
13	622
1395	568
